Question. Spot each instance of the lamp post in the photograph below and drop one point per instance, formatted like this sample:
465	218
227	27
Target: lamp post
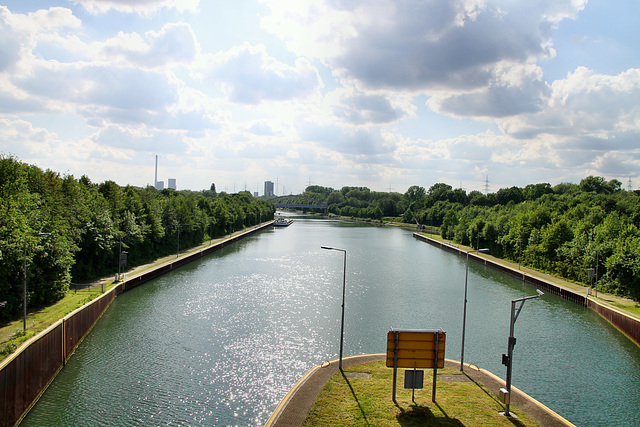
344	278
211	224
464	309
122	261
24	289
178	243
178	247
508	358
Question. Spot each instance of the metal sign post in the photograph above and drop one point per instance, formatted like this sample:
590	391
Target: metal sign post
435	368
415	348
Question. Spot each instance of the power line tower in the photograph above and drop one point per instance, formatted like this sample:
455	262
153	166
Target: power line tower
629	186
486	185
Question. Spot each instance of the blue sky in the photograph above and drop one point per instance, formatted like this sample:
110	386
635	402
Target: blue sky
384	94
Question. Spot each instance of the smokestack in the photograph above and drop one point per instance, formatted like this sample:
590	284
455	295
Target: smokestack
155	181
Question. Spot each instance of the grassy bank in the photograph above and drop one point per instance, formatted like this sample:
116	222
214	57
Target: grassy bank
362	396
625	304
11	333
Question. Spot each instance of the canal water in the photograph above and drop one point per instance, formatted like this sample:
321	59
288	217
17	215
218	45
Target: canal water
222	340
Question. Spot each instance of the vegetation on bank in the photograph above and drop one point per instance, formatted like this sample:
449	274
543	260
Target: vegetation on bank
564	230
83	225
362	396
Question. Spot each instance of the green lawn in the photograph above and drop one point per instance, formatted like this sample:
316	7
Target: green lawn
362	397
11	334
625	304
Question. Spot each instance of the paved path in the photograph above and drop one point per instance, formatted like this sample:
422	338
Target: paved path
294	407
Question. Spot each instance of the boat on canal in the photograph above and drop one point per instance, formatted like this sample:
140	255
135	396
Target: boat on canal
282	222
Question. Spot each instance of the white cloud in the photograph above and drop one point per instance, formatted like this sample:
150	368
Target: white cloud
256	106
585	105
363	108
420	45
366	144
514	90
19	137
20	33
175	43
142	7
90	85
249	75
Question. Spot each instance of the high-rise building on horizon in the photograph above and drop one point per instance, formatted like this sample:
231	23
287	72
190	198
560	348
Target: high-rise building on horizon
268	188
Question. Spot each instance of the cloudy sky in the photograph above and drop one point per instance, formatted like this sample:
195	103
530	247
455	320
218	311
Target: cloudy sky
384	94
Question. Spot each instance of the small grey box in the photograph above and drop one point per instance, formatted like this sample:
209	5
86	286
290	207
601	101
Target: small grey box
413	381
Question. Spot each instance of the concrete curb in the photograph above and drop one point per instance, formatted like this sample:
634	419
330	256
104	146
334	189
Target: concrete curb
294	407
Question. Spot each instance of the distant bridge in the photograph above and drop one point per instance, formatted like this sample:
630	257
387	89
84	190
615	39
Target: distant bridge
298	202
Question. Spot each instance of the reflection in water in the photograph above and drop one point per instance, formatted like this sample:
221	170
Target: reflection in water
221	341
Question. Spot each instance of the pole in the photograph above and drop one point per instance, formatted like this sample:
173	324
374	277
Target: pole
344	285
596	273
464	310
435	368
395	365
120	258
512	343
24	288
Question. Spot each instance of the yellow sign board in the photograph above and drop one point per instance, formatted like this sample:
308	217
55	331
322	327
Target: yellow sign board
415	348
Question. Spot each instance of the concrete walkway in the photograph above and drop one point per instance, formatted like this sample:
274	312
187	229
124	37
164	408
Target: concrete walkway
294	407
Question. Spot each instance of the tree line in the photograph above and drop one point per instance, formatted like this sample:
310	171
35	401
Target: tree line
72	230
584	232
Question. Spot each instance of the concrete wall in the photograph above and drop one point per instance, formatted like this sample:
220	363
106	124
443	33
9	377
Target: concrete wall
26	373
626	324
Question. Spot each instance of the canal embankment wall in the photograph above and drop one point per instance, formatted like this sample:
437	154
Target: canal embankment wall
26	373
628	325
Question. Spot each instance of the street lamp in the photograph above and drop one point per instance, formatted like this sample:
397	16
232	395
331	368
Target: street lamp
507	359
464	310
344	278
24	293
122	261
178	244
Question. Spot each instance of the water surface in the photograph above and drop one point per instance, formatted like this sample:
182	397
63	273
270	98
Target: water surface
222	340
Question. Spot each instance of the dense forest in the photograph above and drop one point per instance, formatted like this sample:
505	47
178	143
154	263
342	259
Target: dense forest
70	230
565	229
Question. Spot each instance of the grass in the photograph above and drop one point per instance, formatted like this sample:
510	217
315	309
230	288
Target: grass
362	397
11	334
625	304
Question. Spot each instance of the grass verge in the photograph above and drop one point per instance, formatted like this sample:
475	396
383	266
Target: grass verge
630	306
12	335
362	397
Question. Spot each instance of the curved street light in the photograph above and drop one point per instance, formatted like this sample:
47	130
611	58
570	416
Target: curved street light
464	310
507	359
344	278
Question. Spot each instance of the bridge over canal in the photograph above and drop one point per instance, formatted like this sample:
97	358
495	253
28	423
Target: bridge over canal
298	202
